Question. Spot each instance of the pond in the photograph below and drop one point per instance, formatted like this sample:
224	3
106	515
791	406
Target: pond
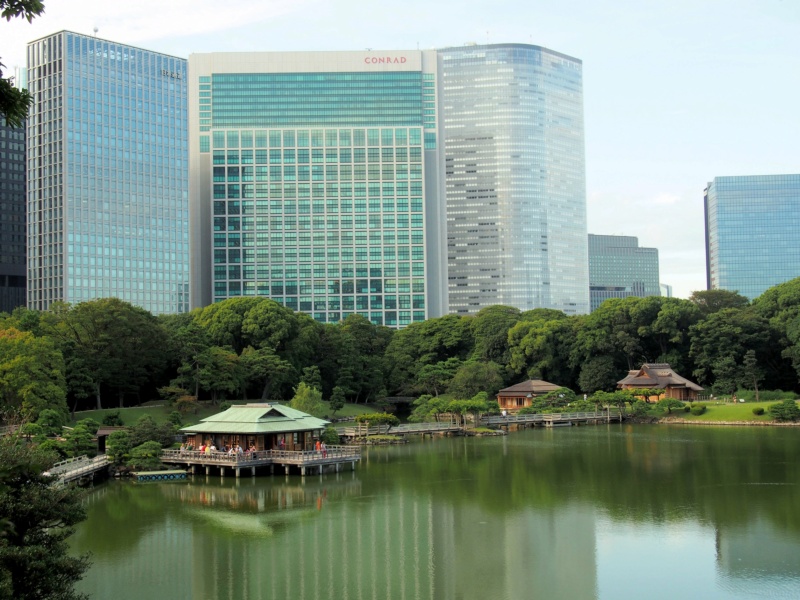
609	511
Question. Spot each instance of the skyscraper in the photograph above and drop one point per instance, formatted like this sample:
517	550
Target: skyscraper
619	268
516	199
752	242
107	174
315	181
12	217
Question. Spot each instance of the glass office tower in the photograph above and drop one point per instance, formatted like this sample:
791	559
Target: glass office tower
619	268
12	217
516	199
751	232
107	174
315	181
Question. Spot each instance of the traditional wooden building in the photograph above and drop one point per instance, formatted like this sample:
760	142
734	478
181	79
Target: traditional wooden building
660	376
263	426
519	396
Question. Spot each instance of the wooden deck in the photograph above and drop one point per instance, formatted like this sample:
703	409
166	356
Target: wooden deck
309	460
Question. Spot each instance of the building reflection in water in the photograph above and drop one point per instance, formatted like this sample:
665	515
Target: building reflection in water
326	539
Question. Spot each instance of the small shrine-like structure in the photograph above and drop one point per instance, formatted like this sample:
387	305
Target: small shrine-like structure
518	396
661	377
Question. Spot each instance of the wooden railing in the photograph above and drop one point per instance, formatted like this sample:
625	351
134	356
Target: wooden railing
541	417
332	453
75	468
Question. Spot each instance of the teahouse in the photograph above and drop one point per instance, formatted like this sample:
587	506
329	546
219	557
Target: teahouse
522	394
261	426
660	376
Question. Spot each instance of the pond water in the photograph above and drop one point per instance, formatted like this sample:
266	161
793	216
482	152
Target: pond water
610	511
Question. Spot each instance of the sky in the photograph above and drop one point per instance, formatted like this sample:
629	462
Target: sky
675	92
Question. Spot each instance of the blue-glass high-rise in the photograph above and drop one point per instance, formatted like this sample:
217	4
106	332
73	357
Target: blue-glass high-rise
752	225
315	180
107	174
515	173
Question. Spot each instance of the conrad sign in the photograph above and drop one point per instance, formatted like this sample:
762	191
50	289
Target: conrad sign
385	60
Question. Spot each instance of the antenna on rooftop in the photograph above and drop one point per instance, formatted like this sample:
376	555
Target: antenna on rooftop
95	31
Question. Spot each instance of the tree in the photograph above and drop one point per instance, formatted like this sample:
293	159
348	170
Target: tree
312	378
711	301
35	563
220	372
598	373
31	375
14	103
490	327
336	402
79	441
264	367
147	430
308	400
434	378
474	377
115	344
118	447
752	374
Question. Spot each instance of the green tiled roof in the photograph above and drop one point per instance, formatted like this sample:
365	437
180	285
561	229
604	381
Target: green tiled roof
256	419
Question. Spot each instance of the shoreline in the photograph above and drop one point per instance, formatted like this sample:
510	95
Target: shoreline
668	421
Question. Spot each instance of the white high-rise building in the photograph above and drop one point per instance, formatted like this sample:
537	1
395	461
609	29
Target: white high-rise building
515	177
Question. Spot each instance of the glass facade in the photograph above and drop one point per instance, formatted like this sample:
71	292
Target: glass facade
107	174
515	177
751	232
619	268
317	182
12	217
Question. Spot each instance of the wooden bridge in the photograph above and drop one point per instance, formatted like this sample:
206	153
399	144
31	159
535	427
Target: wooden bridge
362	431
553	419
78	468
306	460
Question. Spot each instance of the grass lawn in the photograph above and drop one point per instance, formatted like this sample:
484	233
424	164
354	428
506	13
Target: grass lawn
742	411
160	413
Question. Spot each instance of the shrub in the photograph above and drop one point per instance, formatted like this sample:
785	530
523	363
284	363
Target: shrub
51	421
146	457
758	410
687	408
175	418
113	419
225	405
330	437
91	424
377	419
698	410
669	403
639	408
785	411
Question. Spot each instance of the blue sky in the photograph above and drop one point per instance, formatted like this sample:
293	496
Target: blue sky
675	93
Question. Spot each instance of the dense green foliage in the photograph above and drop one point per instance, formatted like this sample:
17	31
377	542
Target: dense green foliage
255	348
785	411
35	562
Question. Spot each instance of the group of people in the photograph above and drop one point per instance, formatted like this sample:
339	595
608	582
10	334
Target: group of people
208	448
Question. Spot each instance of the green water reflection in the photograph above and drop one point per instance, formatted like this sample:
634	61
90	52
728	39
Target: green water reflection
592	512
